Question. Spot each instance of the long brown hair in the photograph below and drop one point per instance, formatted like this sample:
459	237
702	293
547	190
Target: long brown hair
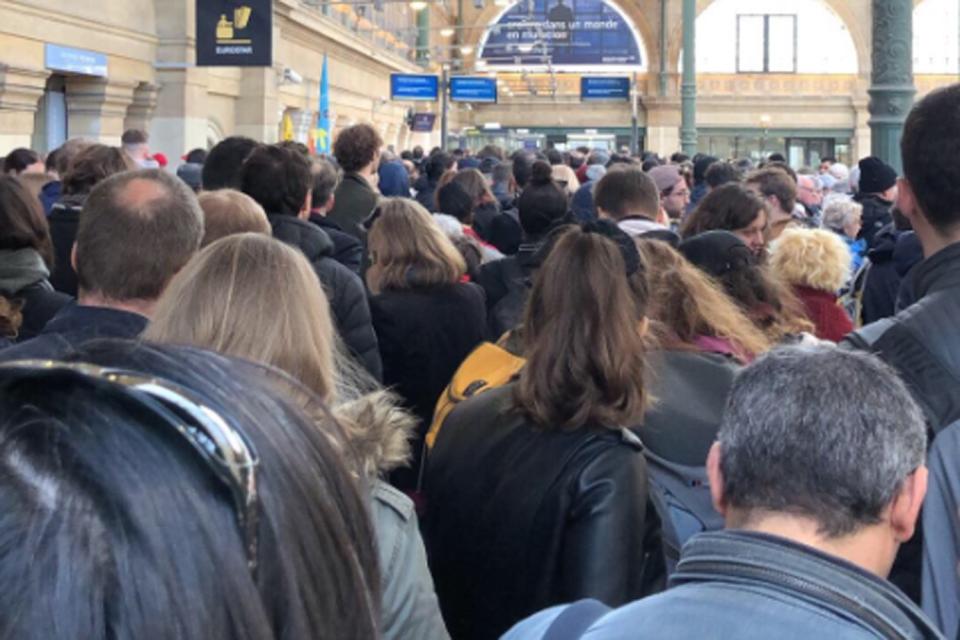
584	349
22	223
226	299
685	303
408	249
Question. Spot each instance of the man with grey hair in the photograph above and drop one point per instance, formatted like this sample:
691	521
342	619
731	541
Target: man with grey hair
138	229
819	474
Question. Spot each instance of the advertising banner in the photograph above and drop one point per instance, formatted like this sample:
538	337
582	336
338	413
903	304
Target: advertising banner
469	89
414	87
561	33
234	33
423	122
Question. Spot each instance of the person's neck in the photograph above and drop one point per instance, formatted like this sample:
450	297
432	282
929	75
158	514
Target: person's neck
932	240
142	307
319	211
870	547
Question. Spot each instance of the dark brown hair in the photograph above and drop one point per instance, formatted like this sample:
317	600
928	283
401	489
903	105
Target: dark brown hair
137	231
92	165
625	190
22	221
585	353
356	147
729	207
775	181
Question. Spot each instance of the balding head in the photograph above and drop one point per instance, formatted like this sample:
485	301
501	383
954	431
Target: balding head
137	230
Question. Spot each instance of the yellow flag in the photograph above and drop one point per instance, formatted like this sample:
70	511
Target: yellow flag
287	128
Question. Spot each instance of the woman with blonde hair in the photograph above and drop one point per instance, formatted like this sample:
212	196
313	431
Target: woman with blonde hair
426	318
251	296
815	263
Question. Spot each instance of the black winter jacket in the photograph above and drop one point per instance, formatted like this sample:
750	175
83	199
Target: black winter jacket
63	220
922	343
425	193
876	215
425	334
345	290
892	257
347	250
507	284
520	518
40	304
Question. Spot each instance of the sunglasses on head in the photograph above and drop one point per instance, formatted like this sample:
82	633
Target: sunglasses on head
225	450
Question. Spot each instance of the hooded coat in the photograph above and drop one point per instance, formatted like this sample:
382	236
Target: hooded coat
379	433
23	276
344	289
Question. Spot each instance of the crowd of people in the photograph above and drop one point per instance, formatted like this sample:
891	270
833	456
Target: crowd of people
472	395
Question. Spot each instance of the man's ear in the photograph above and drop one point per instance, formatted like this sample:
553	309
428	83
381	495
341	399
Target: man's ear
73	257
907	200
305	209
905	508
715	477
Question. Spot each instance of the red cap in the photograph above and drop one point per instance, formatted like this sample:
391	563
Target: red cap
161	159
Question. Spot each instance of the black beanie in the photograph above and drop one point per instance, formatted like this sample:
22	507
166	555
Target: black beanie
717	252
876	176
700	167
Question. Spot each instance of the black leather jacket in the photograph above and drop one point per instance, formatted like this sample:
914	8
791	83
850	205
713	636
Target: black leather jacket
922	342
520	518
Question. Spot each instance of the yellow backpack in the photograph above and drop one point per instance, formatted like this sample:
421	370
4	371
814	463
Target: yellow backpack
487	367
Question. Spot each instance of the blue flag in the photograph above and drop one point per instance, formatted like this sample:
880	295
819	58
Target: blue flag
322	133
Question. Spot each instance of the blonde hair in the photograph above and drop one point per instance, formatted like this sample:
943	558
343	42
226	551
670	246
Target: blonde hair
813	258
250	296
227	212
566	178
688	303
409	250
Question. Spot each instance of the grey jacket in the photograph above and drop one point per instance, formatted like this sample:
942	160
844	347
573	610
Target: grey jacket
410	609
941	533
379	432
748	586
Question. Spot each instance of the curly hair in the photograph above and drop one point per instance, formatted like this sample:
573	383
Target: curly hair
813	258
356	147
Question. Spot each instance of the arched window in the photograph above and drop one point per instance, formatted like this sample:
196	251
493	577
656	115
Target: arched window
936	30
759	36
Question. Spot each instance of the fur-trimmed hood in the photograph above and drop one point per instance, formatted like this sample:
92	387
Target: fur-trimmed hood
379	430
814	258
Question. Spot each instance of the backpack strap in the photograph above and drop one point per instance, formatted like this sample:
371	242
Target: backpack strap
575	619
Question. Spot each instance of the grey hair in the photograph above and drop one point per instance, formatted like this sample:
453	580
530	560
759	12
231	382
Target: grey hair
820	432
839	211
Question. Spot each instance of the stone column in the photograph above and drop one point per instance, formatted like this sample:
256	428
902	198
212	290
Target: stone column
97	108
141	109
688	90
20	94
891	82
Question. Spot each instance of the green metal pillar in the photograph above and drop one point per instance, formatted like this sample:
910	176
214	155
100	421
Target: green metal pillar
423	36
688	88
891	82
663	48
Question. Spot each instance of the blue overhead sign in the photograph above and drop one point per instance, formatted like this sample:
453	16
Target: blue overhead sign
467	89
80	61
561	33
604	88
414	87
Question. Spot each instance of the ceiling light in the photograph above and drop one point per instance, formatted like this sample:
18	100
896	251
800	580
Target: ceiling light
418	5
466	50
446	32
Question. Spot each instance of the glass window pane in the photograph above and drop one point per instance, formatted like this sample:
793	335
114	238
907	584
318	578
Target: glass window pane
783	46
750	44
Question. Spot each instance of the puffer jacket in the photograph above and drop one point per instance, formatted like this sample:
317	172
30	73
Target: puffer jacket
519	518
64	219
379	433
344	289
